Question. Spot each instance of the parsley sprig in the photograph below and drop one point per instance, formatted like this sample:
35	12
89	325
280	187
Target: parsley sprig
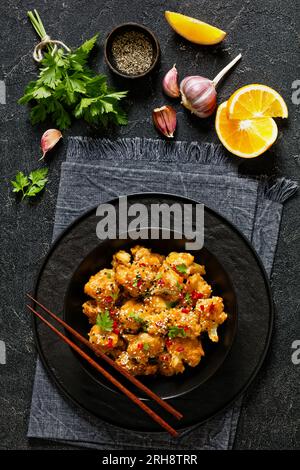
31	185
68	88
181	268
104	321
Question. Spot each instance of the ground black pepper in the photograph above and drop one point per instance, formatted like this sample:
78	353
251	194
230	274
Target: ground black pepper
132	52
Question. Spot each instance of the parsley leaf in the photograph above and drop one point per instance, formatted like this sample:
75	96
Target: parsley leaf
20	182
181	268
187	297
30	185
38	177
104	321
175	331
146	346
67	88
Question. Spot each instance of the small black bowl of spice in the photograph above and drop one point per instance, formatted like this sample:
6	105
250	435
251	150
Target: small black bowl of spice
131	50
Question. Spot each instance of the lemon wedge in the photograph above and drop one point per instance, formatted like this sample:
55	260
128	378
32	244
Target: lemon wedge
194	30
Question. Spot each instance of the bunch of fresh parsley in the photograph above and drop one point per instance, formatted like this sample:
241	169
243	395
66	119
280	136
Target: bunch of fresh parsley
68	88
31	185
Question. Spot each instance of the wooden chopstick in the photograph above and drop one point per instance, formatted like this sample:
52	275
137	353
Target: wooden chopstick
109	377
103	356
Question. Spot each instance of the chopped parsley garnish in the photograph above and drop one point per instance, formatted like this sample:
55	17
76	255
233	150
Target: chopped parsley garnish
179	286
115	295
159	276
187	297
172	304
108	275
104	321
146	346
136	318
181	268
136	281
176	331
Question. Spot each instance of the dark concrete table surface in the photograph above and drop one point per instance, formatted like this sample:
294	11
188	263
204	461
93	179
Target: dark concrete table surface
265	31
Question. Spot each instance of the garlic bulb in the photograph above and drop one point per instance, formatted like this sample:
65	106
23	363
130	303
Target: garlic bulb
199	94
170	83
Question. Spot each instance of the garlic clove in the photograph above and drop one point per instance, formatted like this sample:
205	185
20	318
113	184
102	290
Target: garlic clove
49	139
170	83
164	119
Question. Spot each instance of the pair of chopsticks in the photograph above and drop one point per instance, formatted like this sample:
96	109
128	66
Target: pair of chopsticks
105	373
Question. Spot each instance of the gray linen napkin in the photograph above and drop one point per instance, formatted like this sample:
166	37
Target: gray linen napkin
98	170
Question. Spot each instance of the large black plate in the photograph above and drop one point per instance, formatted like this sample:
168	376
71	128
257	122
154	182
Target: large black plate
242	363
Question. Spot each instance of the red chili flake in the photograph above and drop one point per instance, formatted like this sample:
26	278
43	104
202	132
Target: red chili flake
196	295
142	264
108	299
180	349
211	308
185	310
169	342
116	327
202	308
110	343
181	296
140	346
186	328
113	311
139	283
165	357
161	282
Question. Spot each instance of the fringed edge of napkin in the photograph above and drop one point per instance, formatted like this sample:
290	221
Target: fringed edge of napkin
148	149
276	189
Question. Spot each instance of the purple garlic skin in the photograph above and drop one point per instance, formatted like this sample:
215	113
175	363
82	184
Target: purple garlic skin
198	95
170	83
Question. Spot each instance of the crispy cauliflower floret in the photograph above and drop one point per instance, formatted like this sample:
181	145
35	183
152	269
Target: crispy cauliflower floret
144	256
135	368
105	341
91	309
121	257
196	284
145	346
167	283
103	287
170	364
157	323
155	304
180	259
186	320
211	315
180	351
130	316
137	277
